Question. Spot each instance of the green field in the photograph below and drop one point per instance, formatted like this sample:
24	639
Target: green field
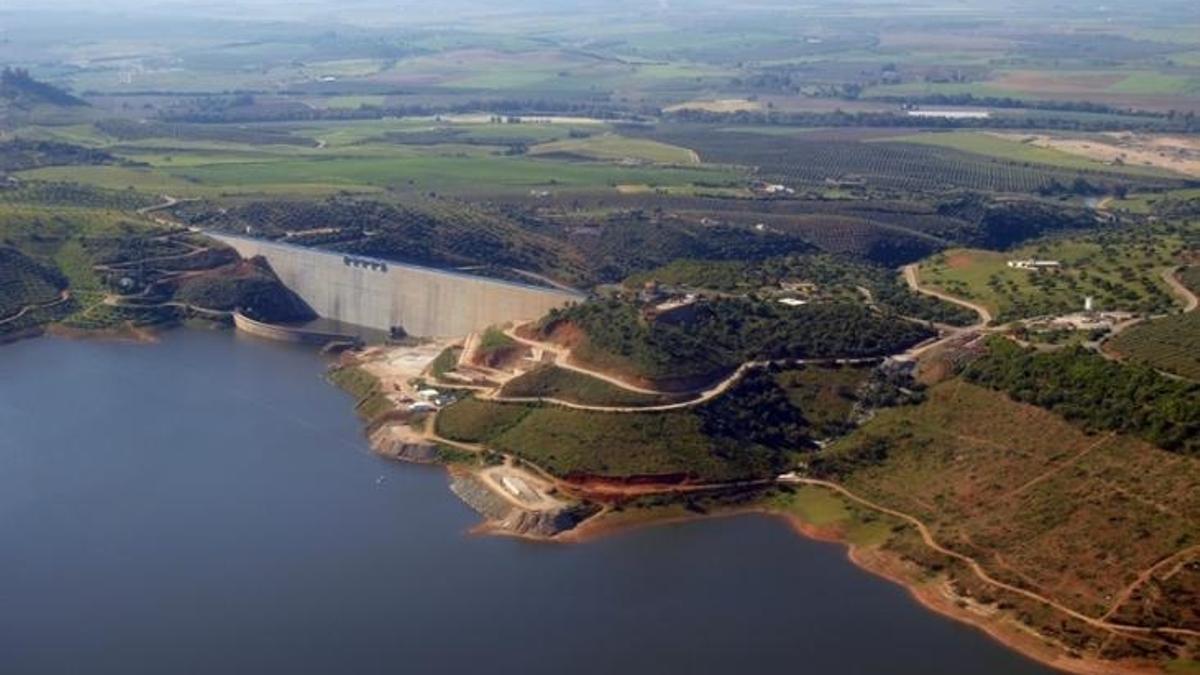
1121	271
1018	151
444	165
611	147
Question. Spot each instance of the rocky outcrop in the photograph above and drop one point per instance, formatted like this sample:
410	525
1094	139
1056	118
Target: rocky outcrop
419	453
503	515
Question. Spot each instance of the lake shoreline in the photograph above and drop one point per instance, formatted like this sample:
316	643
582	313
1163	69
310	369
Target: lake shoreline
930	594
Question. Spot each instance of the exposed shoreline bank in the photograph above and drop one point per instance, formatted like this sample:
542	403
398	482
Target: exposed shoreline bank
930	591
504	512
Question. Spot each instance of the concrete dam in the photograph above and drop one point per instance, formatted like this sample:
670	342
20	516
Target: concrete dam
380	294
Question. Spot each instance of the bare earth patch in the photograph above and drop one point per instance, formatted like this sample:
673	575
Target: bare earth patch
960	261
1174	153
722	105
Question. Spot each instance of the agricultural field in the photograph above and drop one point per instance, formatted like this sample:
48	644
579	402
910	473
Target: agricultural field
616	148
414	157
1171	343
884	164
1026	149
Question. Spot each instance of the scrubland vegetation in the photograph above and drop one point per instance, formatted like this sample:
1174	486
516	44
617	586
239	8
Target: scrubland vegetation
657	157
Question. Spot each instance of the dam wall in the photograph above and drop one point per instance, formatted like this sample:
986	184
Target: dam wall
380	294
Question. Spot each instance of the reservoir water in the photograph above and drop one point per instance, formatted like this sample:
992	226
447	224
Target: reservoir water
207	504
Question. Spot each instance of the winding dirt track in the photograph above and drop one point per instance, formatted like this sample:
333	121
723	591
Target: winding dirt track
63	296
1190	301
1124	595
704	397
563	360
1137	632
912	277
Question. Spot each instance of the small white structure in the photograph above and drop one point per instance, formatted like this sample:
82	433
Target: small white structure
792	302
421	406
675	303
773	189
952	114
1088	304
428	394
1034	264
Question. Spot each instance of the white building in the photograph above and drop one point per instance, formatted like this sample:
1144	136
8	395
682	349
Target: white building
1034	264
952	114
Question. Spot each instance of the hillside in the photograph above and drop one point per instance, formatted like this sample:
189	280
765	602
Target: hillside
761	427
826	277
1171	343
718	335
25	282
250	286
437	233
22	155
19	89
1095	393
1083	519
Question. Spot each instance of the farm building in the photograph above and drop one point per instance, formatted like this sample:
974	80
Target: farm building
1035	264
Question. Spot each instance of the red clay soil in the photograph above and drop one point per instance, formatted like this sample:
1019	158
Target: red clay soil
959	260
618	490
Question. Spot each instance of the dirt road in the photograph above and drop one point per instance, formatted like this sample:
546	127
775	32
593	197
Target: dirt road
1190	301
562	360
912	277
62	297
1137	632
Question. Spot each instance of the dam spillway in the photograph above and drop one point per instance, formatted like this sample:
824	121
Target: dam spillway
381	294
